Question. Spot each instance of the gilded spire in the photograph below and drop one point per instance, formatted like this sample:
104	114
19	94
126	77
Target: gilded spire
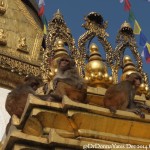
96	70
58	17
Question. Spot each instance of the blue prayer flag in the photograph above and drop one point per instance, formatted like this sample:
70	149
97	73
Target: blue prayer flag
143	39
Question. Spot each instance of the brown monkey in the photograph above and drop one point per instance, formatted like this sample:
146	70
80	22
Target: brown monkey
68	81
121	95
16	99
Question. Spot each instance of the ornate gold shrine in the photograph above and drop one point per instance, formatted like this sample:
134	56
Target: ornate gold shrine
21	37
69	125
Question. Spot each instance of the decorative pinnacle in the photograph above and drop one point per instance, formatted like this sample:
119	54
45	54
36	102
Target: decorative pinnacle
126	25
126	29
58	17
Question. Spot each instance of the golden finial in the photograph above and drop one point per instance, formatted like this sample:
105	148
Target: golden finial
126	29
59	43
58	17
93	48
96	70
128	67
59	51
125	25
94	53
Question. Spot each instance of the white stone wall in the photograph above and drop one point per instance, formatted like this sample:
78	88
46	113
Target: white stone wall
4	116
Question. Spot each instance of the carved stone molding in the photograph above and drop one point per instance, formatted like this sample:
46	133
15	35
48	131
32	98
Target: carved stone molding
18	67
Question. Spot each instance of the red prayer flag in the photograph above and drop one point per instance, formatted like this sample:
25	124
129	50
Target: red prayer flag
146	54
127	5
41	10
148	60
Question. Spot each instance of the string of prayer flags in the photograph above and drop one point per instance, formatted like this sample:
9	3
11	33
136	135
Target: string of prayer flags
138	31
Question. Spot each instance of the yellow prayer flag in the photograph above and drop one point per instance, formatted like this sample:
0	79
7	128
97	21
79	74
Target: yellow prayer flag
45	30
137	28
148	47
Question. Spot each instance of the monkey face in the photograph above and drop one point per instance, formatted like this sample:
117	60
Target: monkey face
137	82
64	63
33	82
35	85
135	78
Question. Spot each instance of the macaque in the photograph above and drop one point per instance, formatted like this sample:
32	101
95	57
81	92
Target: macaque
16	99
68	81
121	96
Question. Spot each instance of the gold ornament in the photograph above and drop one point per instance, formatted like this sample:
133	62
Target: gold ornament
96	70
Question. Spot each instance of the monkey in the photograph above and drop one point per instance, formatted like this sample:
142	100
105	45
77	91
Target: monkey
68	82
121	96
16	99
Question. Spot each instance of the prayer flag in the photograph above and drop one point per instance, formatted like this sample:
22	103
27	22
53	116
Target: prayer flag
127	5
146	54
121	1
142	40
137	28
142	54
148	47
41	10
131	17
45	29
41	2
45	24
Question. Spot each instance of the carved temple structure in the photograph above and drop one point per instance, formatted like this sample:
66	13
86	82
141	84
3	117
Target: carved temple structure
68	125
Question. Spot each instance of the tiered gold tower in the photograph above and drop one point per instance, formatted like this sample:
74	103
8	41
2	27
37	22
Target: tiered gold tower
68	125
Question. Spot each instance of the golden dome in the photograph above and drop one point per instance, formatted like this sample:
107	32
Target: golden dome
59	51
96	70
95	64
128	67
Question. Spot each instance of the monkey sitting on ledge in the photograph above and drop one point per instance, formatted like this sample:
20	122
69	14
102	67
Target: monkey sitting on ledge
68	81
16	99
121	96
